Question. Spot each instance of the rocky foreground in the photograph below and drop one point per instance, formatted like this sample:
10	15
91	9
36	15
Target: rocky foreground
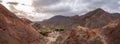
107	35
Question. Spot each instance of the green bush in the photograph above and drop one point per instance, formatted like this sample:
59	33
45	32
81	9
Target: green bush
57	29
44	33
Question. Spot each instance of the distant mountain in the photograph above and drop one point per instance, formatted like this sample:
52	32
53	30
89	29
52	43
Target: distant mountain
115	15
93	19
58	17
56	21
14	30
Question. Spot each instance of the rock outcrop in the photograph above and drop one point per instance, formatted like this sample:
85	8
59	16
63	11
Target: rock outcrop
13	30
83	35
111	32
108	34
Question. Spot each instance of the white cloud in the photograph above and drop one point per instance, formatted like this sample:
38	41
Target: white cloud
44	9
24	8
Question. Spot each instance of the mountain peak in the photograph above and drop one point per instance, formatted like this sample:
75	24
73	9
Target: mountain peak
58	17
98	16
97	12
99	9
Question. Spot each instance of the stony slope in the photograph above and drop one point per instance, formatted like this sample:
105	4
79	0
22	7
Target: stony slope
16	31
95	19
83	35
108	34
111	32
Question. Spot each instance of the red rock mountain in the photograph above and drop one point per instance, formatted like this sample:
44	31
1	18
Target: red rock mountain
13	30
108	34
94	19
91	28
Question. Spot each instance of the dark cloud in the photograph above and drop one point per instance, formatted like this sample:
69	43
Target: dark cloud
66	7
92	4
13	3
38	3
109	4
44	6
56	10
0	1
47	8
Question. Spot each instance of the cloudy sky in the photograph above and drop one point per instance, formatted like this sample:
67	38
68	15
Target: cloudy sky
38	10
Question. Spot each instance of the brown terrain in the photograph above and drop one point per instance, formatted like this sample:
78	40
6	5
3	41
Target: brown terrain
14	30
82	35
94	19
108	34
111	32
95	27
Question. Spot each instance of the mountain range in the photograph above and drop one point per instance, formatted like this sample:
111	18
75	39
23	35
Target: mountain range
95	27
93	19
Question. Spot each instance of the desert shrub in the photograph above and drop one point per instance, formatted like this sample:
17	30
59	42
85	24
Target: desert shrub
57	29
44	33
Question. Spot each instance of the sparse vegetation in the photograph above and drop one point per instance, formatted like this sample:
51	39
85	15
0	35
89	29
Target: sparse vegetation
53	28
44	33
57	29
